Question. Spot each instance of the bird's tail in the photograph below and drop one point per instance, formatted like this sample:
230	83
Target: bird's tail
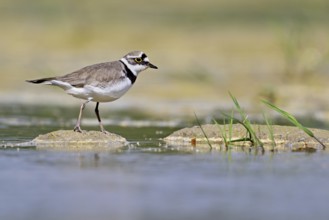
43	80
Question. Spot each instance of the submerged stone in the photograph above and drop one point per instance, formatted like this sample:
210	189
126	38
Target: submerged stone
275	138
70	140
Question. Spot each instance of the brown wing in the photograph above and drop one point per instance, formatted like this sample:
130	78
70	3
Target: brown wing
95	75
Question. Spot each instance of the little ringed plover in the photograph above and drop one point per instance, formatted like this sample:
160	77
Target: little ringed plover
103	82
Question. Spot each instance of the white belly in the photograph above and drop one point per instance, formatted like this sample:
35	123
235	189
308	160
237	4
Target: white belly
100	94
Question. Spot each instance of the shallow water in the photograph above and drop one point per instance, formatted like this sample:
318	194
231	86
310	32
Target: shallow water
149	180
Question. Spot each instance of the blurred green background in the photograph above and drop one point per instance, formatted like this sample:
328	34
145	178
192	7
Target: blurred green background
277	49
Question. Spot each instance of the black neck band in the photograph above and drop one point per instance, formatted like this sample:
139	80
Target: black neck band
129	73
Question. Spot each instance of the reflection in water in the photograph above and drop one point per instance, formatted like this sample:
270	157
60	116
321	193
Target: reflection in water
86	162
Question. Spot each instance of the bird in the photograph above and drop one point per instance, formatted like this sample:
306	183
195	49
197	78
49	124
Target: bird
102	82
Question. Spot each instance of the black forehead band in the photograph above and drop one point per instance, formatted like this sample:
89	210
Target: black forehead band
143	56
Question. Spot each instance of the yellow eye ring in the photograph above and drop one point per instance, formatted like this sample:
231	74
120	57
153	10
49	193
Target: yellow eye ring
138	60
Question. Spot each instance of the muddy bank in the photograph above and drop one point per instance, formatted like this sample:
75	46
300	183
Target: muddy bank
285	137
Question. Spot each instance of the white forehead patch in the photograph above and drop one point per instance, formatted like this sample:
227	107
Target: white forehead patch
140	54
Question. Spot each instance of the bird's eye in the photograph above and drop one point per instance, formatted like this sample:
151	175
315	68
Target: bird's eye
138	60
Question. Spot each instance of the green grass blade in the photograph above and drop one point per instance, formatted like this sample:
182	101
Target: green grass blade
293	120
230	127
246	123
288	116
237	105
222	130
204	133
270	130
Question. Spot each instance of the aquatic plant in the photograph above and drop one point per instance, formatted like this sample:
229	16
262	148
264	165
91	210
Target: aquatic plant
245	122
293	120
270	130
226	135
251	135
203	132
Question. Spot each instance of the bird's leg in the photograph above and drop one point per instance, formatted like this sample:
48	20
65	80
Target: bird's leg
77	125
99	119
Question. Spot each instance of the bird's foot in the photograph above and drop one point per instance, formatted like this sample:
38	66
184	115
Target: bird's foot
77	129
105	132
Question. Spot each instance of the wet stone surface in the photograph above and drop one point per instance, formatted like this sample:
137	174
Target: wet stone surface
285	137
68	139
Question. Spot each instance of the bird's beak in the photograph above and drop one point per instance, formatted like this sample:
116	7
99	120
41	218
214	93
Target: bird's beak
152	66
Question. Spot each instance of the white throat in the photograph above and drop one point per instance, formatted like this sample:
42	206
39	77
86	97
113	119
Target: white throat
135	69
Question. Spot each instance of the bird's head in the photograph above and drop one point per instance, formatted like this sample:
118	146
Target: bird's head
137	61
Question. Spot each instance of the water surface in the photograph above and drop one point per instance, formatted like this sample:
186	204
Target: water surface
149	180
